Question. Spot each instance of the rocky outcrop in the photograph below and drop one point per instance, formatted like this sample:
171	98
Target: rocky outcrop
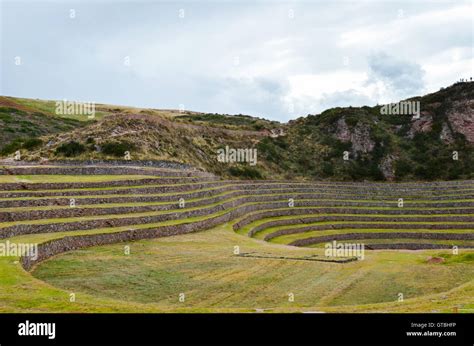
359	136
360	139
461	117
342	130
424	124
446	135
387	168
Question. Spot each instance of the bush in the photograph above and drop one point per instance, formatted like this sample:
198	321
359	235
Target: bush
11	147
21	143
267	148
12	110
117	148
245	172
71	149
402	168
32	143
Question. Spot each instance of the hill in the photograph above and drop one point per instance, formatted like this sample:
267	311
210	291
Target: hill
350	143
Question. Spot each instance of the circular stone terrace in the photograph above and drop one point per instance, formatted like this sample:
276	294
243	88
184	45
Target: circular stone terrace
68	206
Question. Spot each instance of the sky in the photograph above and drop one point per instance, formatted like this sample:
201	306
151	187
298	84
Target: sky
278	60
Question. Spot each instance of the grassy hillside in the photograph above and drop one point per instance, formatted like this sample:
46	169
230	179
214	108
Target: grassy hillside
393	147
20	129
376	146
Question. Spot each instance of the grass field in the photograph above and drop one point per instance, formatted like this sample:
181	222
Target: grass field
200	272
203	267
66	178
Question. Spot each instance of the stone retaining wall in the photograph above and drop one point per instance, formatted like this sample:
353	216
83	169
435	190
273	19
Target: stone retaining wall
142	163
69	243
15	230
290	212
289	231
102	184
333	192
96	170
124	191
414	246
295	193
250	197
20	229
386	235
65	201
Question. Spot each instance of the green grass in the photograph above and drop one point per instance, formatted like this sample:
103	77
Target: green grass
69	178
49	107
461	258
116	187
203	267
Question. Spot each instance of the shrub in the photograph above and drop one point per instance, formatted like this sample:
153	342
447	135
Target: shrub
117	148
6	117
245	172
267	148
32	143
71	149
11	147
402	168
12	110
21	143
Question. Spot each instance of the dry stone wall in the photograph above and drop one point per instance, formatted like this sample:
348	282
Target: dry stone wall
385	235
219	201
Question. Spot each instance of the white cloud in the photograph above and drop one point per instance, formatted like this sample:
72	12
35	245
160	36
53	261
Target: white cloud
237	57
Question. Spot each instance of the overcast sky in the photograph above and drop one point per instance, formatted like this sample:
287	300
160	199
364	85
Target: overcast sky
275	60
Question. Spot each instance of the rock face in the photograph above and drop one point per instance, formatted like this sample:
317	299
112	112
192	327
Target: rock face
342	130
461	117
360	139
387	167
274	133
424	124
359	136
446	135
